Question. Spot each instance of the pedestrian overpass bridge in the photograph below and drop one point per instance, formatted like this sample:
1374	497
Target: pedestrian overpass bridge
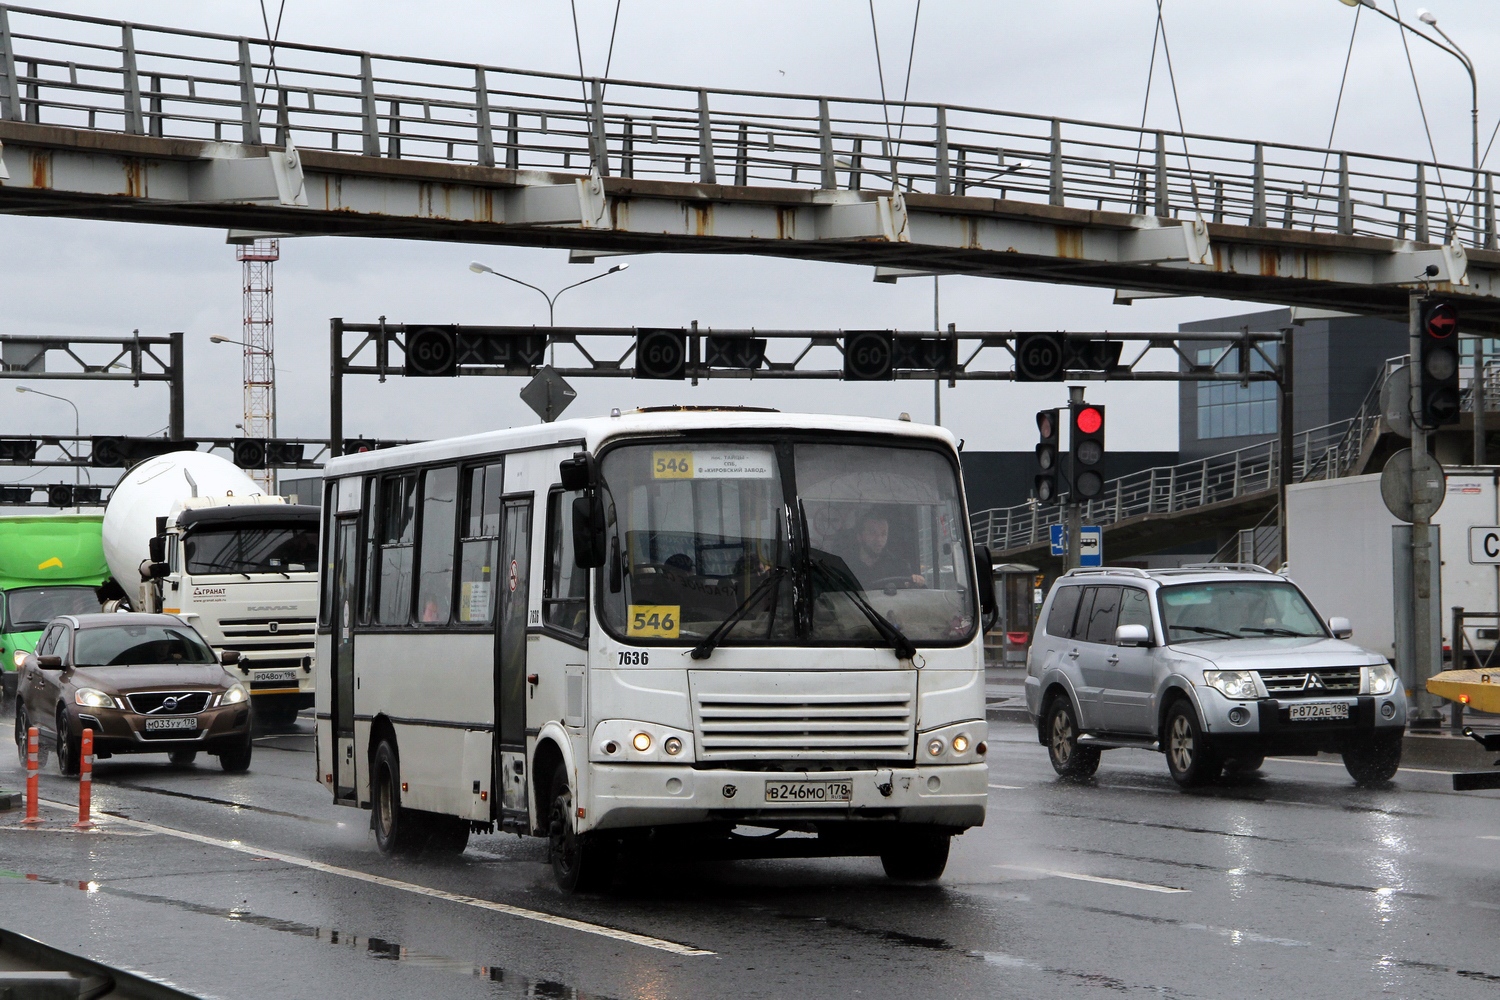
103	119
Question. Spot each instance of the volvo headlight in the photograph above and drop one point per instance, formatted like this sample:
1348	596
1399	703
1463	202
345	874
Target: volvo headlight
235	695
1382	679
18	658
1236	684
92	698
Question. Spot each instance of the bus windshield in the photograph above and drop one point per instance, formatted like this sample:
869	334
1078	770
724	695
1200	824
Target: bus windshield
252	549
799	542
29	609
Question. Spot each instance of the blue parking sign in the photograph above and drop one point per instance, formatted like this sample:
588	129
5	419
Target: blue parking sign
1059	540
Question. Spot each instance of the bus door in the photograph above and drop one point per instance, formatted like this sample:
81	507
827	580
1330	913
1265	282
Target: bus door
346	559
511	688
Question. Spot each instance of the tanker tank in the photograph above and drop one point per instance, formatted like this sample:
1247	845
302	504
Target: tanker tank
155	488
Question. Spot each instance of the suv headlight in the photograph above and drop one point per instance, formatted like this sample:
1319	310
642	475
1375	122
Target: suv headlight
1236	684
92	698
1382	679
18	658
235	695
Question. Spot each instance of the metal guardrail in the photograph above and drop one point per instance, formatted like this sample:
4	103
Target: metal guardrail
84	72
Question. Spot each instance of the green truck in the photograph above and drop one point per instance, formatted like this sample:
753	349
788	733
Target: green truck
49	565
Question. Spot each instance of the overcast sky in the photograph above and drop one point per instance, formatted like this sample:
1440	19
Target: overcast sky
1266	69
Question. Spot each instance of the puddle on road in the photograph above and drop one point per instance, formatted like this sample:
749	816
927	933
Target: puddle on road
236	806
508	984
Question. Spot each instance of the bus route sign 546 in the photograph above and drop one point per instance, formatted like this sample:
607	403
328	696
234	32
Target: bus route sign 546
1484	545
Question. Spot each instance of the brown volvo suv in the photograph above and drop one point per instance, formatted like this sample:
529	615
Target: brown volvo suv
142	683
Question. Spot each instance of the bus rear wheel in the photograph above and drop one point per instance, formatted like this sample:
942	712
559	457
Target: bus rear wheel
916	857
581	862
396	828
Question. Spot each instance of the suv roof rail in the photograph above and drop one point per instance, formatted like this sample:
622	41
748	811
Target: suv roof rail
1111	570
1239	567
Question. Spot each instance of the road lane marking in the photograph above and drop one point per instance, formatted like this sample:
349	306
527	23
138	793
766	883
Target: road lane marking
1100	879
582	926
1009	788
1334	763
1489	837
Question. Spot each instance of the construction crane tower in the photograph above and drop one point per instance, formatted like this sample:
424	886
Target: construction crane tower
258	260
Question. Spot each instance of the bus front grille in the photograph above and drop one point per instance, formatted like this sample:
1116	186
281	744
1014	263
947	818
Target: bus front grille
809	716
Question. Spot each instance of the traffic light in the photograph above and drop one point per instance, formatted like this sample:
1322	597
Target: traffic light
1087	446
1438	364
119	452
1046	456
661	354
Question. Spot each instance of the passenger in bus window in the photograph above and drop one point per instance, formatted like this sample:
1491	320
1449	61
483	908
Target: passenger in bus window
874	561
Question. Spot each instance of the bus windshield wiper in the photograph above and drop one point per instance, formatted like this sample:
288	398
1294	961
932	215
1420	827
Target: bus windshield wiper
705	649
888	629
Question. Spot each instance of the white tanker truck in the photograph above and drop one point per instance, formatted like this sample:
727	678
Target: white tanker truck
190	534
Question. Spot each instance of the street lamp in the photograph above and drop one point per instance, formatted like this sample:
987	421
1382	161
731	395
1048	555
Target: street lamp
1428	18
77	434
216	339
479	268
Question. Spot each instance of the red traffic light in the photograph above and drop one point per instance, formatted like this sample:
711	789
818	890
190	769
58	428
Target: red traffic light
1442	321
1088	420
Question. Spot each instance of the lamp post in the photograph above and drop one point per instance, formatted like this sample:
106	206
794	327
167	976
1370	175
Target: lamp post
216	339
1428	18
77	471
479	268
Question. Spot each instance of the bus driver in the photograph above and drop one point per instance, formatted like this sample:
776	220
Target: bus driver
874	562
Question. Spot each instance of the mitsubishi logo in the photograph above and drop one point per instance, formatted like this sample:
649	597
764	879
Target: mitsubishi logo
1313	683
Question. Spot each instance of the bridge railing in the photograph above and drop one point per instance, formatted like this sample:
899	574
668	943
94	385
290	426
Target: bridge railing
85	72
1318	453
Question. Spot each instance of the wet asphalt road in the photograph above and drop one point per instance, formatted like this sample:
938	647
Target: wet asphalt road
1293	883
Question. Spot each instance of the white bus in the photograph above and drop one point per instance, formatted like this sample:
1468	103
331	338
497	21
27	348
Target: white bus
731	633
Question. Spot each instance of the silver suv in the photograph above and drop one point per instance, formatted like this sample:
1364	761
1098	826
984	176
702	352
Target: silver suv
1217	665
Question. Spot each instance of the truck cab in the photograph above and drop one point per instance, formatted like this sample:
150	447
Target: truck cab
243	571
50	564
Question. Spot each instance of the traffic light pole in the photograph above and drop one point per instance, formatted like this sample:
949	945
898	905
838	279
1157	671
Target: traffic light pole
1422	622
1074	519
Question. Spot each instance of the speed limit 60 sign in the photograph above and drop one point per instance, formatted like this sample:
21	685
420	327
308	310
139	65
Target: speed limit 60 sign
1039	357
431	351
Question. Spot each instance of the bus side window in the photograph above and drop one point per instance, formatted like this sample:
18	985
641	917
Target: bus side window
566	594
398	506
371	577
479	538
326	578
435	573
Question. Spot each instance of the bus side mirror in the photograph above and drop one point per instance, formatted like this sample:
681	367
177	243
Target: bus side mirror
588	531
158	546
579	473
989	603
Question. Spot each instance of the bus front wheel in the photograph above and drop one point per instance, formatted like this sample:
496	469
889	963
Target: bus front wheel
395	827
580	862
916	857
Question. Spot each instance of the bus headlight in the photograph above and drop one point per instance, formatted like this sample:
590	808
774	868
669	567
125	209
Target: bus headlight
641	741
935	747
672	745
960	743
1382	679
235	695
92	698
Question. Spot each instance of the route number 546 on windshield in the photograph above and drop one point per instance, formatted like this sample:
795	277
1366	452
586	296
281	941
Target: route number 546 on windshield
654	621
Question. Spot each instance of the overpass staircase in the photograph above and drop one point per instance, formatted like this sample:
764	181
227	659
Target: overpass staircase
1221	496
